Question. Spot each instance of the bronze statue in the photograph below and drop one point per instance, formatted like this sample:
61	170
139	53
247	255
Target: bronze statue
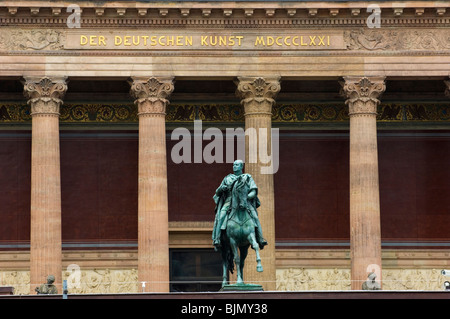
370	283
236	224
49	288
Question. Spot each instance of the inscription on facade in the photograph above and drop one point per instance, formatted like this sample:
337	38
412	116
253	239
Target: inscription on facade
319	40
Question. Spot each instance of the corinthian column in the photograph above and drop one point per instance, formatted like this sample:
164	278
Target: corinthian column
365	234
45	98
153	217
258	96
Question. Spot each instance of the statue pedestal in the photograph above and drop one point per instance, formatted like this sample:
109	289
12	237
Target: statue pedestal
242	287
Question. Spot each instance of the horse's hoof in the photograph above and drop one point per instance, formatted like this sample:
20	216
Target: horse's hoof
259	268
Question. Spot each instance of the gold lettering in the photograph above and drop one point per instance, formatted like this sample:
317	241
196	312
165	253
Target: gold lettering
203	40
285	41
117	40
270	41
239	37
92	39
231	41
136	40
293	41
213	43
222	40
101	40
259	41
170	40
145	37
83	40
278	43
160	38
179	40
301	41
126	40
153	41
188	40
328	39
321	40
312	40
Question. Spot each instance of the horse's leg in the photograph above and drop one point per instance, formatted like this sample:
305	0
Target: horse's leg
244	253
237	260
254	243
225	273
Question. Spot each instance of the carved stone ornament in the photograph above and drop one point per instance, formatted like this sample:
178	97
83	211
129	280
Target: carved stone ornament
258	94
151	95
33	39
397	40
45	95
362	94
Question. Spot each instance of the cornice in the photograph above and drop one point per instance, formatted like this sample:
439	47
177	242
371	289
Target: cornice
224	14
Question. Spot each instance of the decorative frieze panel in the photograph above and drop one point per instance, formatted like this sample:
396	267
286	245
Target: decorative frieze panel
294	279
31	39
281	113
390	39
92	281
105	281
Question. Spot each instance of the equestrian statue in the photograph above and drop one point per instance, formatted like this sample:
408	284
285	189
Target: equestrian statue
236	224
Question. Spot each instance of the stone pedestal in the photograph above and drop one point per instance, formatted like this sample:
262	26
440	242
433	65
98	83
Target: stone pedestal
45	98
153	217
365	234
257	97
241	288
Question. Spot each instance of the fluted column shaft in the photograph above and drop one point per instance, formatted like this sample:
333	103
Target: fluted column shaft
257	97
365	231
45	98
153	213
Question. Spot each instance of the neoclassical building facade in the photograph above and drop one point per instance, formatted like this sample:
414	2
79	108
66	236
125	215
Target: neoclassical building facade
351	99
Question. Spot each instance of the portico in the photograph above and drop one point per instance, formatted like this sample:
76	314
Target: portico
251	65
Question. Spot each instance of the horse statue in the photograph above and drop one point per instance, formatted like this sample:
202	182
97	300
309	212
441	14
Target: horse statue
236	225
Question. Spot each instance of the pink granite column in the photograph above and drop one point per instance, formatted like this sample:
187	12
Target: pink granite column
365	232
153	214
45	98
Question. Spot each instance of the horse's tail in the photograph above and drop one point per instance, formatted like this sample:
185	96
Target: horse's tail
227	252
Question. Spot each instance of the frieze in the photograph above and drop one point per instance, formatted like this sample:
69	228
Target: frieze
397	39
222	113
104	281
292	279
32	39
386	39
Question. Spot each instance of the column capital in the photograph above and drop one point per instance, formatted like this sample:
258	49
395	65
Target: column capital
45	95
362	94
258	94
447	88
151	94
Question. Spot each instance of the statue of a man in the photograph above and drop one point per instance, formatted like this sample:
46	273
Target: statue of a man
370	283
49	288
227	198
